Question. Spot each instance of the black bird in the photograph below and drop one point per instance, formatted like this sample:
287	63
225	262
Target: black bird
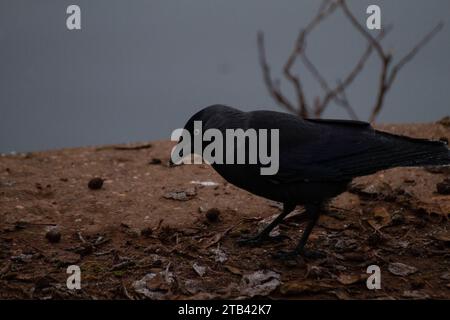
317	158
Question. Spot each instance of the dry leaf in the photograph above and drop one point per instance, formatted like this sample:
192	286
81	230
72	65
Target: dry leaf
259	283
308	286
233	270
381	218
199	269
347	279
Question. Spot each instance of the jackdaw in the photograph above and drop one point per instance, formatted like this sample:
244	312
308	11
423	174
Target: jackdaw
318	158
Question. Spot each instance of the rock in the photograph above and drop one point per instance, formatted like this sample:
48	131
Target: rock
401	269
213	215
53	235
96	183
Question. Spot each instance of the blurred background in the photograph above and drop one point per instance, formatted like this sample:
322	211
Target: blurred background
138	69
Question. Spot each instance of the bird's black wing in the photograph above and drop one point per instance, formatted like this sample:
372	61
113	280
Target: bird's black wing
339	150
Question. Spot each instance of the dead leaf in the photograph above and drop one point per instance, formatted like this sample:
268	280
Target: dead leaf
415	294
155	285
220	255
233	270
199	269
259	283
341	294
347	279
401	269
442	236
381	218
308	286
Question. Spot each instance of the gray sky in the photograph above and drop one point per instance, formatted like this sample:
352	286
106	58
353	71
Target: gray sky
138	69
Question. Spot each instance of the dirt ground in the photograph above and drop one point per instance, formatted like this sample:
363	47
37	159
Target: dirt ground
161	232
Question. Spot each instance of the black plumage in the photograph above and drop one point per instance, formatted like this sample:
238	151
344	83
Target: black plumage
317	158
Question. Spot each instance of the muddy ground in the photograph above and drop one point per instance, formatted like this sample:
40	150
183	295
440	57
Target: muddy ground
155	231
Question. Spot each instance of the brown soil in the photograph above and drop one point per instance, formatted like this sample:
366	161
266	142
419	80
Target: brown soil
131	227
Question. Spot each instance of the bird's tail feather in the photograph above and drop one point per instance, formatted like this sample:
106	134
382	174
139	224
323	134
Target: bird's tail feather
413	152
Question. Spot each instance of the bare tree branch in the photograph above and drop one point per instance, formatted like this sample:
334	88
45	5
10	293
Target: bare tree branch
337	93
273	89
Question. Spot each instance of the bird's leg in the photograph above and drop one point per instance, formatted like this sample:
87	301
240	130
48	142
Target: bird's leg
313	213
264	235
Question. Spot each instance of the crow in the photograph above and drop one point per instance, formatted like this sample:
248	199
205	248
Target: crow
318	159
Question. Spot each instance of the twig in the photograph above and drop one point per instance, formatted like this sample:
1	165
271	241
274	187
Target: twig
271	87
387	75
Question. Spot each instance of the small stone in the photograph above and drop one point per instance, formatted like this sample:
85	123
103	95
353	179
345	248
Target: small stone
155	161
95	183
53	236
212	215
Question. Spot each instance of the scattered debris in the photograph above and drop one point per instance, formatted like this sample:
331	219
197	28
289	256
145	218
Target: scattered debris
22	258
293	288
199	269
95	183
347	279
415	294
181	195
155	286
220	255
123	265
259	283
401	269
205	183
235	270
381	218
443	236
